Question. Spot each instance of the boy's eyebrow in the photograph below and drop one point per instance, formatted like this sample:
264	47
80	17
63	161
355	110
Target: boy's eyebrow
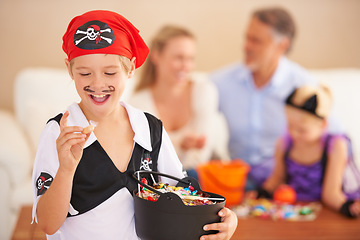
79	68
85	68
112	66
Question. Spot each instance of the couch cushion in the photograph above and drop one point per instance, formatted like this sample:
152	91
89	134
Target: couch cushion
40	94
15	153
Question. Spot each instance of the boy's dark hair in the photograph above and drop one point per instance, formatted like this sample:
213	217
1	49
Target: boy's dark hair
279	19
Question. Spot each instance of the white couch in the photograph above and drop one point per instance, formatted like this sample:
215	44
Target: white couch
41	93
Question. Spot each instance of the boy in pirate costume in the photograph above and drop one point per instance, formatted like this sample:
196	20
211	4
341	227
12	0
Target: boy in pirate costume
82	180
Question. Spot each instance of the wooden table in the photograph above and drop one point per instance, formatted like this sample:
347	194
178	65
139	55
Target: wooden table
24	230
328	225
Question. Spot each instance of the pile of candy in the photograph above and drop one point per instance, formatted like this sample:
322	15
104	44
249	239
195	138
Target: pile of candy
189	196
266	209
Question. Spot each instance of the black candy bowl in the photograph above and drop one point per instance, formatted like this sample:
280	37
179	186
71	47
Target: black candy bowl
168	217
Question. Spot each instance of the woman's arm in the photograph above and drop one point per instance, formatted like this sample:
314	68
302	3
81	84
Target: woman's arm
207	131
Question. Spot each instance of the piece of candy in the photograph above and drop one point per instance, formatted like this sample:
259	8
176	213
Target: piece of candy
151	199
285	193
305	211
143	180
88	129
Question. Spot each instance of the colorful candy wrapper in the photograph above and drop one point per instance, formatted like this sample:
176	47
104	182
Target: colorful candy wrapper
189	195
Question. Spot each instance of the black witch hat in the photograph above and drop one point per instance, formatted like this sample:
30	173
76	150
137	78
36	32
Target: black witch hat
309	106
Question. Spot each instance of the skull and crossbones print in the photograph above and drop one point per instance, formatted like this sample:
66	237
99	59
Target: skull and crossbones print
146	162
92	33
43	183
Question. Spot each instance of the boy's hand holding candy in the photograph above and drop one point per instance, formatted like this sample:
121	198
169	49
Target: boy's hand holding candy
70	144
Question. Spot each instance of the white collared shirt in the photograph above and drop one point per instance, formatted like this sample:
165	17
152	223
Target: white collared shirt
114	218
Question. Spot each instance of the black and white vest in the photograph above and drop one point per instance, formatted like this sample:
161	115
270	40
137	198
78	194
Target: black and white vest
96	178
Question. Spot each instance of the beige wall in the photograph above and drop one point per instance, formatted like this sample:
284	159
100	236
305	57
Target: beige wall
31	30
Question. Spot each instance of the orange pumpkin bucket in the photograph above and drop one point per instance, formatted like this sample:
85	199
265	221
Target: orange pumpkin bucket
225	178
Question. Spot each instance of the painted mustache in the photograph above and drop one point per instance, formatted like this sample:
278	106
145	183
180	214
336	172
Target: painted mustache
111	89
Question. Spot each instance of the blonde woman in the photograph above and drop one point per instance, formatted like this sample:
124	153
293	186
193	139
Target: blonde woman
311	160
186	103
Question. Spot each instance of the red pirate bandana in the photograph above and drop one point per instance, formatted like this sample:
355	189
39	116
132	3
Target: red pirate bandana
104	32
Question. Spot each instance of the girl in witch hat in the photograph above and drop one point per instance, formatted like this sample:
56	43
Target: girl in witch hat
317	165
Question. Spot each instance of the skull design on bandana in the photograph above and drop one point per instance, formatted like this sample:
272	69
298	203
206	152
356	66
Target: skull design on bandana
94	35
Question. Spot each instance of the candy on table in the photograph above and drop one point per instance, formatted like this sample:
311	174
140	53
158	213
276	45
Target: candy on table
242	210
288	212
258	210
265	208
305	210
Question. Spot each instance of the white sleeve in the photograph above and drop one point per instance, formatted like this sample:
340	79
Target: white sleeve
46	163
168	161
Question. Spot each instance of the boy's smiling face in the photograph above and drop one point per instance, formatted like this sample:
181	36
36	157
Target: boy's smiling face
100	82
